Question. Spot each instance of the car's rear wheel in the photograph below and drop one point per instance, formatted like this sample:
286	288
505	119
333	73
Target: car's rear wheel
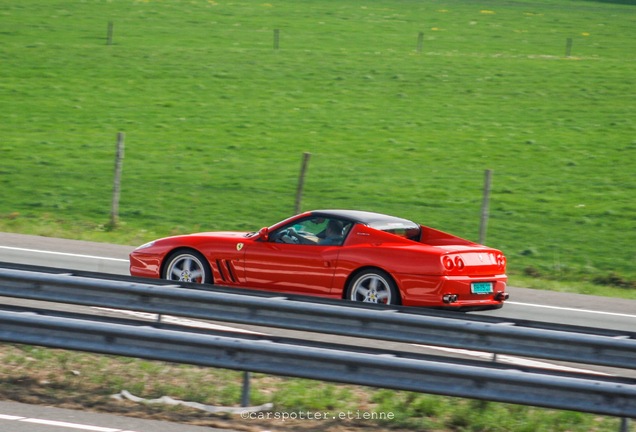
373	286
187	266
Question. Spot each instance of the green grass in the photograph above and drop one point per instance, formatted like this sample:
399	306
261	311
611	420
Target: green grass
217	120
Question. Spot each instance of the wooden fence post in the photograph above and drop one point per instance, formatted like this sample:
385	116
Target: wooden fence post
119	162
484	207
301	181
568	47
109	35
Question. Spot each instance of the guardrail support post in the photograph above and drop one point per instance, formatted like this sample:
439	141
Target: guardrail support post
624	425
245	394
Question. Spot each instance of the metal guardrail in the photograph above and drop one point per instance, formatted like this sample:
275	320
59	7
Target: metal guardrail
588	393
338	318
378	370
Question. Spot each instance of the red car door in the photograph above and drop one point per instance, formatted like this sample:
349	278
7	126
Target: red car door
291	268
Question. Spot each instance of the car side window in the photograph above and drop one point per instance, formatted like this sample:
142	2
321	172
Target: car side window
313	231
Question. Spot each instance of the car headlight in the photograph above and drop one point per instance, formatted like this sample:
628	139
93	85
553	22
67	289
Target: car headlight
146	245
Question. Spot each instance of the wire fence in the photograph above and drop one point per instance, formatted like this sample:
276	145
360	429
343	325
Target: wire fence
542	227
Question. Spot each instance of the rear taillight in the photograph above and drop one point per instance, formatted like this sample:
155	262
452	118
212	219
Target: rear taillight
453	263
459	263
501	261
448	263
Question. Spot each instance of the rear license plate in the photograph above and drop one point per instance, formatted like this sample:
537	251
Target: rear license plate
481	287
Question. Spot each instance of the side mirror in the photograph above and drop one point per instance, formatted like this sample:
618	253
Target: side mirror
263	233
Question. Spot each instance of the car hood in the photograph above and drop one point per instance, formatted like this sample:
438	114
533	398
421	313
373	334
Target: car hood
197	238
216	234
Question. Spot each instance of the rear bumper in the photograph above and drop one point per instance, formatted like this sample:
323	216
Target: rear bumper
452	292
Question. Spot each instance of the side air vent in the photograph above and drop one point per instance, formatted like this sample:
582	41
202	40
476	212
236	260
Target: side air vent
226	270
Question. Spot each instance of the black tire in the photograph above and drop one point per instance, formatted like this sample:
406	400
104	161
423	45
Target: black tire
373	286
187	265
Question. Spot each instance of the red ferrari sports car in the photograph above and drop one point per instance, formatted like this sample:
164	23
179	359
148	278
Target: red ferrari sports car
354	255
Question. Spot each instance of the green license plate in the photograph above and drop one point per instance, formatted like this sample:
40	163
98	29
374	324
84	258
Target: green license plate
481	287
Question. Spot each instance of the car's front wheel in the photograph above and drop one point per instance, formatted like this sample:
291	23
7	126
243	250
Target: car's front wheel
187	266
373	286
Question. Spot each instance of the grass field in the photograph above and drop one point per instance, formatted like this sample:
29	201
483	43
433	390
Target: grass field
216	119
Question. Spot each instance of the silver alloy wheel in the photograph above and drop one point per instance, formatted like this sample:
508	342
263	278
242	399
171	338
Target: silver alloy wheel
186	267
371	288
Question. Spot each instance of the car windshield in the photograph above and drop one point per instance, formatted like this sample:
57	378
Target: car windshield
313	230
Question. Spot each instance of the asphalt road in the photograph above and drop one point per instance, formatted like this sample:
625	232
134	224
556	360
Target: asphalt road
17	417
